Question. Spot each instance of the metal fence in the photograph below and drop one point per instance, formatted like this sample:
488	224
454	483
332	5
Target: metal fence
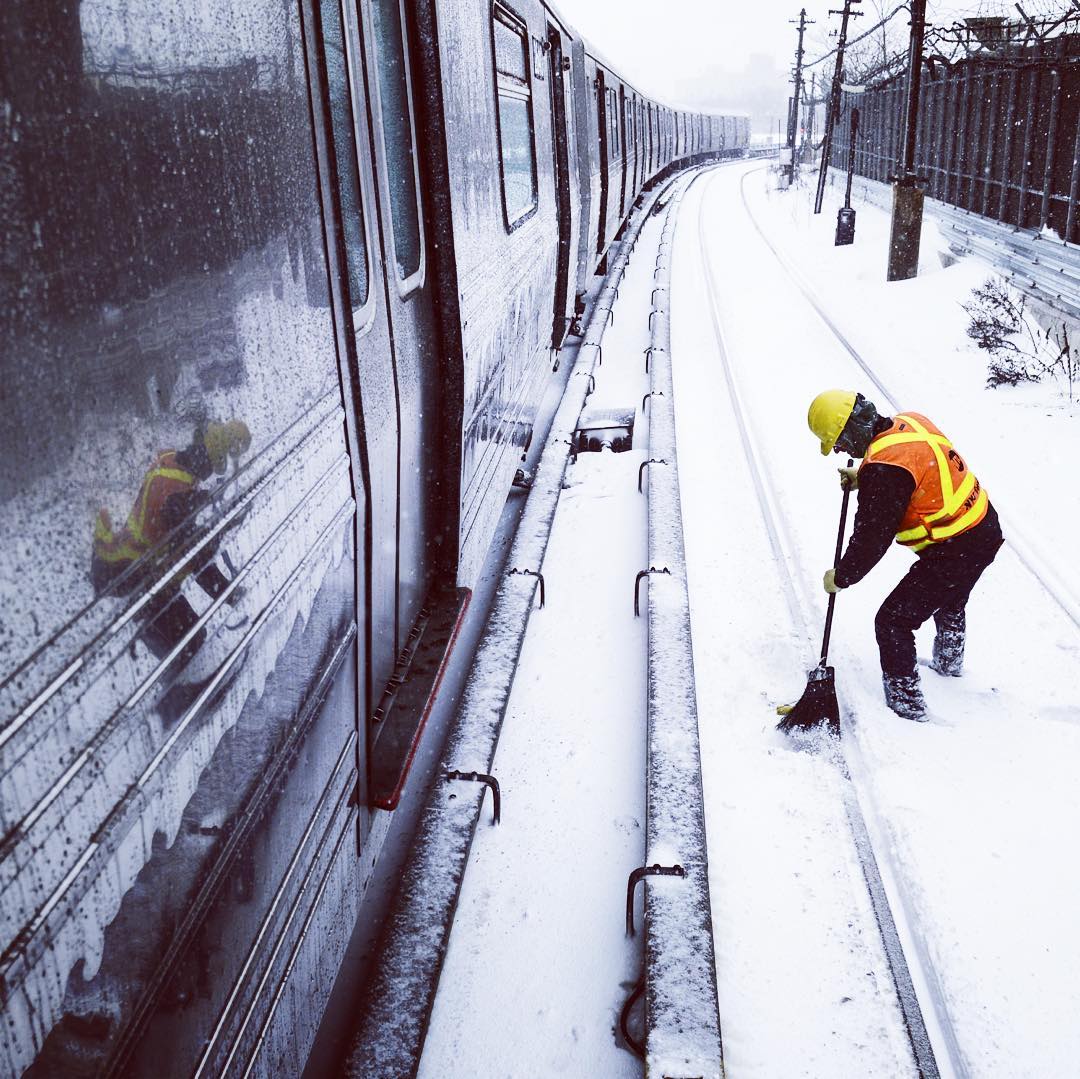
999	134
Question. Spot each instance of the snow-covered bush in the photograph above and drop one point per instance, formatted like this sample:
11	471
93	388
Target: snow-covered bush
1019	350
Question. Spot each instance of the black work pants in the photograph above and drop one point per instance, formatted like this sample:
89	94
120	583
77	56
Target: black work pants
937	585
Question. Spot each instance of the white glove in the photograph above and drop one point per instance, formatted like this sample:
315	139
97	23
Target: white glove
849	478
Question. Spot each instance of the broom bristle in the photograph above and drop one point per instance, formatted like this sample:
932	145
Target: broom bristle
818	704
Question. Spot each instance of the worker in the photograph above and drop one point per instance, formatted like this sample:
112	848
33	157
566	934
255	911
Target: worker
915	487
171	492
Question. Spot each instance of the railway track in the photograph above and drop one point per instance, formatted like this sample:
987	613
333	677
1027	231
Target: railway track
933	1043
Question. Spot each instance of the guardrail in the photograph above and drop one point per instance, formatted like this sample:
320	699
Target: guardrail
1037	263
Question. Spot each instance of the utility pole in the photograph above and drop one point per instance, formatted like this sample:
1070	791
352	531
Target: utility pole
793	112
833	113
907	210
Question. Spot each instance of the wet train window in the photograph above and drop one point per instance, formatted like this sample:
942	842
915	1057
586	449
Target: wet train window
397	128
613	123
176	581
348	179
515	120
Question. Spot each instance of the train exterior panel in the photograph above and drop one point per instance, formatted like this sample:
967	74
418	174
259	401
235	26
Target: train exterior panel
179	751
587	98
504	206
280	287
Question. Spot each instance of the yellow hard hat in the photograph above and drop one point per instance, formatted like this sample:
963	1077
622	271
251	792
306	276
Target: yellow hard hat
225	440
828	414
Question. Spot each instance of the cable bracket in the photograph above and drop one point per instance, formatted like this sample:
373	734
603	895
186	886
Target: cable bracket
531	573
640	874
489	781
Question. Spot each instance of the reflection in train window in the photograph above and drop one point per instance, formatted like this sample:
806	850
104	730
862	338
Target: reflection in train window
395	108
177	499
514	102
348	179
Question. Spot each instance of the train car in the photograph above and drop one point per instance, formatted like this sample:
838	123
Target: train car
280	287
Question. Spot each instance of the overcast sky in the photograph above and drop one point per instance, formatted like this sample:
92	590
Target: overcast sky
671	49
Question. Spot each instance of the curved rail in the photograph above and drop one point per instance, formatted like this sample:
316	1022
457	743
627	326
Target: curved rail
894	930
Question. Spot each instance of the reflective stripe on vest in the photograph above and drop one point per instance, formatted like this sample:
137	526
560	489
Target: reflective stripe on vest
110	547
948	498
163	480
144	525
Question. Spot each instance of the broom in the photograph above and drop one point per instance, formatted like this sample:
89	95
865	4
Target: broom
818	703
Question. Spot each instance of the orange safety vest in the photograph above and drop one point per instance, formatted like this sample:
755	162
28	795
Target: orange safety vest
145	524
948	499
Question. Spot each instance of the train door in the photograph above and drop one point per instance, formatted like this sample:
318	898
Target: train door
624	138
603	120
409	302
351	200
642	148
652	144
350	174
560	137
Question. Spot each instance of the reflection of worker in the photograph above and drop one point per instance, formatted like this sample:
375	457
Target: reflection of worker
169	495
915	487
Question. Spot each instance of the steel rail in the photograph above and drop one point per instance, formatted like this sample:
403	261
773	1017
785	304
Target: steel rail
889	926
1015	536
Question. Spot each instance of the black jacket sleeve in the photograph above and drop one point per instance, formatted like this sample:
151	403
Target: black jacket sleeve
884	494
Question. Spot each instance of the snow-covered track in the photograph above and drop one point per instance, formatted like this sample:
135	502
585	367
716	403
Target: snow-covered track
928	1028
390	1035
681	1013
1016	537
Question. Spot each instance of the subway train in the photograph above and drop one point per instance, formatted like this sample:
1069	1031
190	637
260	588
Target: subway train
281	286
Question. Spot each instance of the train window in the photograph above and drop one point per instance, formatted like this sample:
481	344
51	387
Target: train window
513	92
178	572
613	123
344	139
395	109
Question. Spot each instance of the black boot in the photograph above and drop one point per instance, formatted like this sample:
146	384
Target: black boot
949	643
903	695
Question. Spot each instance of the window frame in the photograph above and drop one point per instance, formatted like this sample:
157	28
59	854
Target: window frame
613	122
506	84
414	282
363	317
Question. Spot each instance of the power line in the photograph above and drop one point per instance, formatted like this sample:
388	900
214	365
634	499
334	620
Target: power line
855	40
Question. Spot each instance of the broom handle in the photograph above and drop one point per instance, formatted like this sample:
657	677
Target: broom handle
836	562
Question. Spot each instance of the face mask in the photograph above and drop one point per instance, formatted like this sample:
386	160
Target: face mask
858	432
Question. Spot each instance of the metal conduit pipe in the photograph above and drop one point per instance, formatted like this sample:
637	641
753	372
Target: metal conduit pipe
682	1017
390	1035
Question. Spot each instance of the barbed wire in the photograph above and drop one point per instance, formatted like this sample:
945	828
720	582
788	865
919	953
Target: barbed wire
949	41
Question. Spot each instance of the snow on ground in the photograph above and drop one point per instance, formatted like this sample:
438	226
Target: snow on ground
803	980
538	966
974	814
976	811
